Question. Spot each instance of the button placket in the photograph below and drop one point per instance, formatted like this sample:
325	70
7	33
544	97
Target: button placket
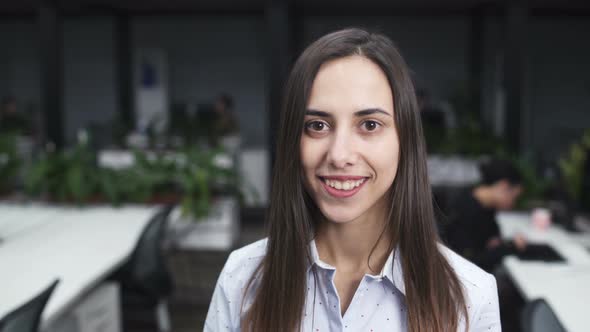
351	310
334	300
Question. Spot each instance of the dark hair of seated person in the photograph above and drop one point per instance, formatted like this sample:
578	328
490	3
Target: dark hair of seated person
496	170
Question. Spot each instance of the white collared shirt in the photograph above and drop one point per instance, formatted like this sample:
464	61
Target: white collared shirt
377	305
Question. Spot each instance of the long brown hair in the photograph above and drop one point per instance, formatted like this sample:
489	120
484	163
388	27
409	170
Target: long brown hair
434	295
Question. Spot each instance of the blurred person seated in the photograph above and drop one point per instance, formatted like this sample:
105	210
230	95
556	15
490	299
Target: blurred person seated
472	230
217	121
225	122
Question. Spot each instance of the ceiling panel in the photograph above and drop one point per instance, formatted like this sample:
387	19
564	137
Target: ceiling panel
151	6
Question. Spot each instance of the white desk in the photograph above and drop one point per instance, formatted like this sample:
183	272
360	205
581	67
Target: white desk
566	244
564	285
78	246
14	223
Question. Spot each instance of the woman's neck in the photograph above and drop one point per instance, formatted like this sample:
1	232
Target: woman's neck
349	246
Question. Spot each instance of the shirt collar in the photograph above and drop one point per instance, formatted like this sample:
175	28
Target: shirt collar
392	270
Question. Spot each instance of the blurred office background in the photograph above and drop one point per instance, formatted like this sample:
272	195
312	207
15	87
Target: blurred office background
156	120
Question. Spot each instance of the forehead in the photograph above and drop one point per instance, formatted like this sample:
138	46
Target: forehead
349	84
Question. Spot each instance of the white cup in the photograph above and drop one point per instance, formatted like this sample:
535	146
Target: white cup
541	218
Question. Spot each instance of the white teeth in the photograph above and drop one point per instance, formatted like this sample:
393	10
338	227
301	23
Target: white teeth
344	185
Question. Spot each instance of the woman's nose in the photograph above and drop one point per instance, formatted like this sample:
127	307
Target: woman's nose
342	150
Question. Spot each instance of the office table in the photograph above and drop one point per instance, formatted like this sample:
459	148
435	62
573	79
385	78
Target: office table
13	223
564	285
80	246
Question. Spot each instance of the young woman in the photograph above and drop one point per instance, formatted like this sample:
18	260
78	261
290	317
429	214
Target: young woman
352	242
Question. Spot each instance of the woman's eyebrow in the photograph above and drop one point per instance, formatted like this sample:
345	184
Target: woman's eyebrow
359	114
318	113
370	111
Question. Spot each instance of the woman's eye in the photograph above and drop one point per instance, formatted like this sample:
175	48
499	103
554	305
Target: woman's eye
370	125
316	126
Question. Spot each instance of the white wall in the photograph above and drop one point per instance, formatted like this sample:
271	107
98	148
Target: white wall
436	49
559	83
88	69
492	104
89	73
19	61
215	54
208	56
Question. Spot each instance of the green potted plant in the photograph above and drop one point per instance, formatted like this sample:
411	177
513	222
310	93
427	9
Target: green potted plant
469	136
119	186
535	186
571	166
190	177
64	176
200	178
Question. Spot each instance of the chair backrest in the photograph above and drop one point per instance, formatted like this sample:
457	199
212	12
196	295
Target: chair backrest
445	199
147	268
27	317
585	193
537	316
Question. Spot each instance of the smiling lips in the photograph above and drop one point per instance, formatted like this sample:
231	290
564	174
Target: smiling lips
343	186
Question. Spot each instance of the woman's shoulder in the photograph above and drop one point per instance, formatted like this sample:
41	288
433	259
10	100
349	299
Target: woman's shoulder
254	251
226	304
480	291
467	271
245	259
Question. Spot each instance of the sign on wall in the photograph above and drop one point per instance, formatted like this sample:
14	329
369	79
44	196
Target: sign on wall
151	90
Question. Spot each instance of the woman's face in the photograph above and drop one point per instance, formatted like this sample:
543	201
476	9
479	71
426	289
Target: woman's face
350	146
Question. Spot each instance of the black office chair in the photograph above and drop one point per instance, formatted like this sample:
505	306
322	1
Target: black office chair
145	278
444	198
537	316
27	317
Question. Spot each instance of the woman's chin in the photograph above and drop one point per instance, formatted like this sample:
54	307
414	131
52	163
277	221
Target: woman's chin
339	216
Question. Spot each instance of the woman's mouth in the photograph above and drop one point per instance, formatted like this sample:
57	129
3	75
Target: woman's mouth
341	187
